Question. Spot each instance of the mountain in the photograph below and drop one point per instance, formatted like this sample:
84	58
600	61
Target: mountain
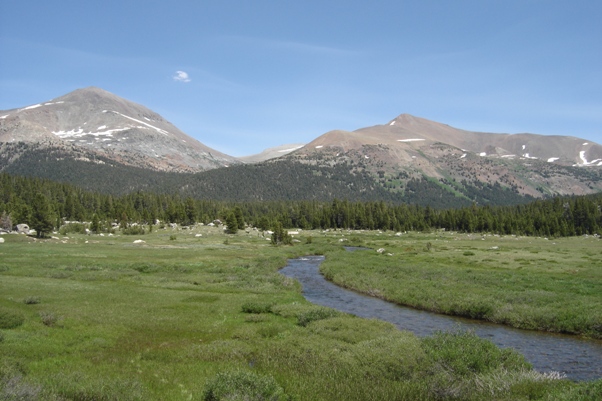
105	125
271	153
462	161
101	142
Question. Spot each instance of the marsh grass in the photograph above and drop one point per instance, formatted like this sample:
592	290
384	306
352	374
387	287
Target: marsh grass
530	283
164	321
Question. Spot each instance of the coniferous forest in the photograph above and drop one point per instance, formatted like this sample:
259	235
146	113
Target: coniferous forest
45	205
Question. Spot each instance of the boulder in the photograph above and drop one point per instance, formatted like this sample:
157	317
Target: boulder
1	240
22	228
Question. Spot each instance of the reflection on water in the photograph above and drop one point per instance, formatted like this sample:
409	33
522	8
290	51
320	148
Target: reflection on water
579	359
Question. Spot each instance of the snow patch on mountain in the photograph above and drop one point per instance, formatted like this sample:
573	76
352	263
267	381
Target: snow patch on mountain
159	130
597	162
80	133
289	150
35	106
411	140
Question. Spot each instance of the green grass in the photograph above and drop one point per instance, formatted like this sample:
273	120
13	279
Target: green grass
530	283
102	318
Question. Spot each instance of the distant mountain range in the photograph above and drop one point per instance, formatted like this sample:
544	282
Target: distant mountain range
100	141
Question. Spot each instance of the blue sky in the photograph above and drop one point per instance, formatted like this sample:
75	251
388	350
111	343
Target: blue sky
242	76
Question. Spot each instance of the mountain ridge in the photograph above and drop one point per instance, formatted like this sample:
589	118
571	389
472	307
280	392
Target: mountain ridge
91	131
113	127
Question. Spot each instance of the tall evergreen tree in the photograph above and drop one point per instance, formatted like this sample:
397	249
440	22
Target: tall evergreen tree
231	223
41	215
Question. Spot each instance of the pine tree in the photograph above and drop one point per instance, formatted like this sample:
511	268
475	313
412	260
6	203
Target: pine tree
41	216
231	223
280	236
95	226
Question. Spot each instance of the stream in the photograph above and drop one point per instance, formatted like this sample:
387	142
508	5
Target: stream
579	359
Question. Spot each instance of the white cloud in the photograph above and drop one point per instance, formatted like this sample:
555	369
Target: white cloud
181	76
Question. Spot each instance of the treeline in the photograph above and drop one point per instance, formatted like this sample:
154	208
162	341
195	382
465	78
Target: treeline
273	180
23	200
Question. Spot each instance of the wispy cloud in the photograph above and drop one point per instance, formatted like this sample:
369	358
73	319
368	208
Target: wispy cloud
181	76
285	45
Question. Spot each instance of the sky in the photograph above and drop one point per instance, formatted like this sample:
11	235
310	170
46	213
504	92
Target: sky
241	76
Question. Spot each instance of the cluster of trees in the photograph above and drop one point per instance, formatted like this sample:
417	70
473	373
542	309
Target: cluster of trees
269	181
44	204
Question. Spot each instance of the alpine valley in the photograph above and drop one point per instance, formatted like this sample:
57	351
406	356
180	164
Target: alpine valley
101	142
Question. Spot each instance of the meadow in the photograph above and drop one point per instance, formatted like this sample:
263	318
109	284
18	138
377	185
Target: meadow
530	283
187	317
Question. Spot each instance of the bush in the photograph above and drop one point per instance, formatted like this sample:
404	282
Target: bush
143	267
240	385
133	230
252	307
314	314
10	319
78	228
32	300
48	318
464	354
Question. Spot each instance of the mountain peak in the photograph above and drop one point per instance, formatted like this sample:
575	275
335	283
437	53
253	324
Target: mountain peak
109	125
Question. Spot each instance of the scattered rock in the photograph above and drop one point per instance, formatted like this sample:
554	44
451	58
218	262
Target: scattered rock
22	228
1	240
139	241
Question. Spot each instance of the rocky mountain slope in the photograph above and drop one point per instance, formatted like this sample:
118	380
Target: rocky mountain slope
271	153
410	147
109	126
99	141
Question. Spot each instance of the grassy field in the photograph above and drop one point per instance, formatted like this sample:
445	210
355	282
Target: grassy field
530	283
181	317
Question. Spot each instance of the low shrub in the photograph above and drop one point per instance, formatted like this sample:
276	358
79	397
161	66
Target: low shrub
17	389
317	313
394	357
464	354
10	319
145	267
240	385
78	228
253	307
32	300
49	319
351	329
133	230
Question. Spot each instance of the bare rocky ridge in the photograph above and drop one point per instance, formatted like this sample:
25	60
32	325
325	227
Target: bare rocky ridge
272	153
97	128
412	147
113	127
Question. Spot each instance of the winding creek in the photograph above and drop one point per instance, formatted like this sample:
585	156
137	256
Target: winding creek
579	359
